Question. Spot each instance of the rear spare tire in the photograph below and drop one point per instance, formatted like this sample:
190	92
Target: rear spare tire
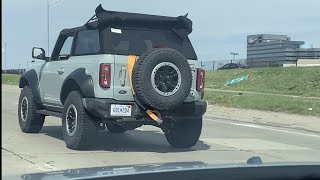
162	78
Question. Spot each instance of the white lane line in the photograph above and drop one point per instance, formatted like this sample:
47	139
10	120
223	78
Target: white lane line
265	128
46	167
140	129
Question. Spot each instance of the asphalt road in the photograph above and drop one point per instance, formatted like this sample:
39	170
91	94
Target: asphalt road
228	136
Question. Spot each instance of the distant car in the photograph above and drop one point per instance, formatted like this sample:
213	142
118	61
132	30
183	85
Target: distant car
233	66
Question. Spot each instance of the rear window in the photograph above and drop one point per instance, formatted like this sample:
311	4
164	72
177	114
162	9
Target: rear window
137	41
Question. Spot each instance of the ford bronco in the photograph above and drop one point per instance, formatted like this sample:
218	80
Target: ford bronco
118	71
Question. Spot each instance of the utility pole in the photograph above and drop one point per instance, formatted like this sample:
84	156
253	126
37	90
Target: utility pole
213	65
5	55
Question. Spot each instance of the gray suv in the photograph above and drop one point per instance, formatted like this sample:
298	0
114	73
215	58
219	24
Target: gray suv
118	71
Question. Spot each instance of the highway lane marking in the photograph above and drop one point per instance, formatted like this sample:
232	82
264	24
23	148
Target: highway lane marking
251	144
46	167
265	128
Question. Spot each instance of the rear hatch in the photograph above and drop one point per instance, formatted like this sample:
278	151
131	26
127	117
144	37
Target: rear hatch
121	81
122	42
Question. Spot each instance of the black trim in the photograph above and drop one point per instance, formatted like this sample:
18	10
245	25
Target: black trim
83	80
50	113
101	108
50	107
33	81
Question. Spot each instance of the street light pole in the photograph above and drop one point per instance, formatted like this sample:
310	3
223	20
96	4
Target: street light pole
5	55
50	6
48	24
234	55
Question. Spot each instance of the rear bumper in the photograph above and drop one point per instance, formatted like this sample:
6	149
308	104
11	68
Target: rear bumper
101	108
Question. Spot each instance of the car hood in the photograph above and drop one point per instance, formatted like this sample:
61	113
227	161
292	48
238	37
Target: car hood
144	169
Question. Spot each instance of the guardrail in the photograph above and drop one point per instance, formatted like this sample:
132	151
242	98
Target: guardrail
14	71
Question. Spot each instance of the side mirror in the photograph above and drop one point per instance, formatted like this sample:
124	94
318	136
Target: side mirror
38	53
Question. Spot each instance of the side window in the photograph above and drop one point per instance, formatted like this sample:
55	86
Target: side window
87	42
66	48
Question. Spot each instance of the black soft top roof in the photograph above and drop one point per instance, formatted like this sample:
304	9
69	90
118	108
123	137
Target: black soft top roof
103	18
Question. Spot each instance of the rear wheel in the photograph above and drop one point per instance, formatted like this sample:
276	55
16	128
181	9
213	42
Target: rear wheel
78	128
184	134
29	120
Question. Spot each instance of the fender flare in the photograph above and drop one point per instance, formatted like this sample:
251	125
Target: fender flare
83	80
31	78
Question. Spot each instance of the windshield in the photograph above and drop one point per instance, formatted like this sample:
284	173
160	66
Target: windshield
137	41
219	82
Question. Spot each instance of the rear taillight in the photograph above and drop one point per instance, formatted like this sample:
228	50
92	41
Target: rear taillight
200	79
104	75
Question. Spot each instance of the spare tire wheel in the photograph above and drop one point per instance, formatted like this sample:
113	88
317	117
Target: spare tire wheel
162	78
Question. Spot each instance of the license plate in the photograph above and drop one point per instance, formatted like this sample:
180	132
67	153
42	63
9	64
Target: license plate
120	110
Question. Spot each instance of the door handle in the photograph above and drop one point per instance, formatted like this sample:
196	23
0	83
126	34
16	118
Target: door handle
123	76
60	71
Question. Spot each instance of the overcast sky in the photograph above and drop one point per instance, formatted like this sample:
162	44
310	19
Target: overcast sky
219	27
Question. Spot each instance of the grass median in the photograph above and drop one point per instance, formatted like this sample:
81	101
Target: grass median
264	102
300	81
10	79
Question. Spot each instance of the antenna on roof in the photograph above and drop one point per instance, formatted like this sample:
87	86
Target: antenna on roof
186	15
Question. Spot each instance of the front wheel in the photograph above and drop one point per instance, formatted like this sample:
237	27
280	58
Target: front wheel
184	134
78	128
29	120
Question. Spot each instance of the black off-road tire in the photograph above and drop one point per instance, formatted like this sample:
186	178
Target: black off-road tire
114	128
185	134
33	122
85	130
141	78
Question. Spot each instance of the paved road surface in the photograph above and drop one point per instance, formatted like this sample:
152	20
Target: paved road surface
229	136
